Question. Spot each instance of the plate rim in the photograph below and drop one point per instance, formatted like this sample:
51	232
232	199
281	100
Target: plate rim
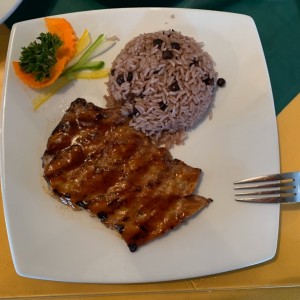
2	162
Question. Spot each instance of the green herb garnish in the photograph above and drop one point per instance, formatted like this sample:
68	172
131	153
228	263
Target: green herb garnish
40	56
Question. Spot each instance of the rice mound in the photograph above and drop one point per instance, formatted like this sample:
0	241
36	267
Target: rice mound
165	82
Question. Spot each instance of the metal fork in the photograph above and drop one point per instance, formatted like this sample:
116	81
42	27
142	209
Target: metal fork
274	188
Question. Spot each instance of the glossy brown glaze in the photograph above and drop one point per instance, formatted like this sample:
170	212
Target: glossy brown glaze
95	161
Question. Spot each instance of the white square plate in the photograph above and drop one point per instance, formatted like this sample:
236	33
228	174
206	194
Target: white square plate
50	241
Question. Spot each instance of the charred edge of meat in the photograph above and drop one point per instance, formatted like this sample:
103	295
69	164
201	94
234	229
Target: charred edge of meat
61	127
102	216
133	247
83	204
119	227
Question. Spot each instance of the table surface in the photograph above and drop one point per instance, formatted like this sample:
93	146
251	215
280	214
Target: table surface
278	23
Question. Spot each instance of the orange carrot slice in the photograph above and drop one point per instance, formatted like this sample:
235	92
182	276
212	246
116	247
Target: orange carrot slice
65	31
29	79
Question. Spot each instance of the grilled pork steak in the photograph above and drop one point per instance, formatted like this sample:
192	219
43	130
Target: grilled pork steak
95	161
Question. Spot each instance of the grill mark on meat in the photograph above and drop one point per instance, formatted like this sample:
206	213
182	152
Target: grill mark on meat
95	161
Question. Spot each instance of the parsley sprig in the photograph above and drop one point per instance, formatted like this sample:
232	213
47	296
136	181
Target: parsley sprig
40	55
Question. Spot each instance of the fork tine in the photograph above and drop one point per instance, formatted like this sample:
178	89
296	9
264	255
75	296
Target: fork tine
266	185
271	177
289	199
268	192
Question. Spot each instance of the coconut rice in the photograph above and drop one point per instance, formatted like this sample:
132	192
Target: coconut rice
165	82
